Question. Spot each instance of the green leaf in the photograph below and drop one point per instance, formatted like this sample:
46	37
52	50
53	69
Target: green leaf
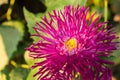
82	2
2	76
110	58
31	73
116	53
31	20
11	38
29	60
16	24
19	73
3	54
98	3
61	3
57	4
6	72
117	57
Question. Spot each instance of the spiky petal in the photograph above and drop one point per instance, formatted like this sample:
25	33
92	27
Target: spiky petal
70	43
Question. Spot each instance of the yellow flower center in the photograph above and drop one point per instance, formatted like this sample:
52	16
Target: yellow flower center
71	44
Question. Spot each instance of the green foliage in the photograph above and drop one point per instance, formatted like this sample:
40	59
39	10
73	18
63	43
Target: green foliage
3	54
11	37
31	20
58	4
2	76
98	3
30	61
117	52
30	75
81	2
19	74
116	6
16	24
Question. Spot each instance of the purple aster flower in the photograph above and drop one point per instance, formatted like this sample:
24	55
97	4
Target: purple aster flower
70	44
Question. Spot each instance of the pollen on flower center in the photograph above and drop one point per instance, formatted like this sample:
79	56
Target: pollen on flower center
71	44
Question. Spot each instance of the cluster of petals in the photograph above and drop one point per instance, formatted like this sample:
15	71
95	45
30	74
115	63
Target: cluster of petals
93	43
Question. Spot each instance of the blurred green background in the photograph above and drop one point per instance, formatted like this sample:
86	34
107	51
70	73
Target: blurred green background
17	17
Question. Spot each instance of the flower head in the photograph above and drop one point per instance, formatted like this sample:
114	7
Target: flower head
70	44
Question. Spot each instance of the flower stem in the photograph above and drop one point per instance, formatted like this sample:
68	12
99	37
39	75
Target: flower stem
105	10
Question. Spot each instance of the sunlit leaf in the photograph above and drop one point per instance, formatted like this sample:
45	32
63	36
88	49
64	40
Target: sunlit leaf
31	73
5	72
3	54
61	3
11	38
3	2
99	3
81	2
16	24
2	76
28	59
57	4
